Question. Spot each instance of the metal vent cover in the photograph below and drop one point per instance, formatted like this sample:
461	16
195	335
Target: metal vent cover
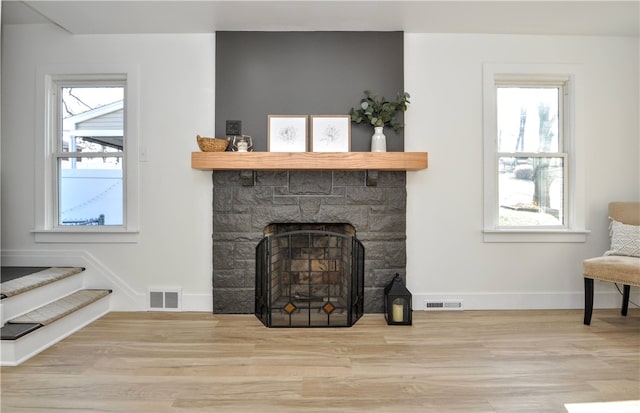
165	299
443	305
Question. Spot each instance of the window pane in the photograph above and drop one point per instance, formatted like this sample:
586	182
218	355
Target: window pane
92	119
531	191
90	191
528	119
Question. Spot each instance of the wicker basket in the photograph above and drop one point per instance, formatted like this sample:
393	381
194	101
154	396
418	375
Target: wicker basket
212	144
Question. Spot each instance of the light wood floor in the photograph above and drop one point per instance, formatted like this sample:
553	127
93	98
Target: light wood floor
471	361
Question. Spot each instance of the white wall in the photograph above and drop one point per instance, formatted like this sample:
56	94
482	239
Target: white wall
0	119
446	255
177	102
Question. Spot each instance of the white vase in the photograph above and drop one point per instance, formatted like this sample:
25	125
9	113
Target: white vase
378	140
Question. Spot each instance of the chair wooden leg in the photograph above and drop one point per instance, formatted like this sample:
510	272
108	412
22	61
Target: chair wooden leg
625	299
588	300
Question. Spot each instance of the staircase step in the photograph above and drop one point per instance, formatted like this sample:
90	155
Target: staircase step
51	312
26	335
11	273
15	331
35	280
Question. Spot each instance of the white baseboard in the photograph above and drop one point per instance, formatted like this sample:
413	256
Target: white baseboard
526	301
98	275
125	298
197	302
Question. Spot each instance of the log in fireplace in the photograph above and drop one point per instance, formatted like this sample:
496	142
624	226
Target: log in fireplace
309	275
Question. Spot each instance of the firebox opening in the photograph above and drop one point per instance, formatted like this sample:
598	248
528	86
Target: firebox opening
309	275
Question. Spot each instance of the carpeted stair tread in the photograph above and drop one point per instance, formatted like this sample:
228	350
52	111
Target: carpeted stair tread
11	273
15	331
38	279
51	312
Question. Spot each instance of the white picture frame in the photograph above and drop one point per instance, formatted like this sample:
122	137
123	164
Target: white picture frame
330	133
287	133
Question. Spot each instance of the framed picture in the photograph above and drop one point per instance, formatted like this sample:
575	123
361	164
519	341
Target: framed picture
330	133
287	133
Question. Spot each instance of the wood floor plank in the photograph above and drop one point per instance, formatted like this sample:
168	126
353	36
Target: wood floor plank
470	361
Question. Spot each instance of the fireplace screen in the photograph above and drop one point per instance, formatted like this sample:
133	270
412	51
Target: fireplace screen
309	275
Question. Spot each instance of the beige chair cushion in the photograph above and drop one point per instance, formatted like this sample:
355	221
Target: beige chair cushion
613	268
617	268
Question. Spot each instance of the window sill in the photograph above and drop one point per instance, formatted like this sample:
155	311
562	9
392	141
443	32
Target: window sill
85	236
542	235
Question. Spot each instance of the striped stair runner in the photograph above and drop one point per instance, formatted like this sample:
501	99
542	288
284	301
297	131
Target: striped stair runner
35	280
43	305
22	280
51	312
47	314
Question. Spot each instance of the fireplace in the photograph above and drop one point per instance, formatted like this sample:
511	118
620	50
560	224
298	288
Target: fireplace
309	275
246	202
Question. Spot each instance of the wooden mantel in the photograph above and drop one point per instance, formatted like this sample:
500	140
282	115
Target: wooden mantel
309	161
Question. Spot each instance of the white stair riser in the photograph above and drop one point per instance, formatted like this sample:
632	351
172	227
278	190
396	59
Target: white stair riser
30	300
14	352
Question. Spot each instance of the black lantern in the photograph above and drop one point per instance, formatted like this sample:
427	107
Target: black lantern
397	302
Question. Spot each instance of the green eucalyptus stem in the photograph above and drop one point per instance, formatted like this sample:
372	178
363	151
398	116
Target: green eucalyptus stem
380	112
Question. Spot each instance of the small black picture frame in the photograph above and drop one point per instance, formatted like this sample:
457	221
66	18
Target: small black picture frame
233	127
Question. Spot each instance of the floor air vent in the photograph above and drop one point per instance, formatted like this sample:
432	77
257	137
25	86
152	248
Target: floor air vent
165	299
443	305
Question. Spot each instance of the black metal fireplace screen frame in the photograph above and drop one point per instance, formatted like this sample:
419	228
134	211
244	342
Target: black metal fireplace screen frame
309	278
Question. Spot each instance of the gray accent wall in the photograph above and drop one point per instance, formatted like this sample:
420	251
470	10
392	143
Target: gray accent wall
305	73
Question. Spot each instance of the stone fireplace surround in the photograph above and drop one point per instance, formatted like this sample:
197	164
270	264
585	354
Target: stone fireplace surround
245	202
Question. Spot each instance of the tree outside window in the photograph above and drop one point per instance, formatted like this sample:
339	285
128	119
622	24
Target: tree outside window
531	166
533	172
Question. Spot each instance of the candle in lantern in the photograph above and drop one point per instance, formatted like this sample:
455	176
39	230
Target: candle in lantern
397	312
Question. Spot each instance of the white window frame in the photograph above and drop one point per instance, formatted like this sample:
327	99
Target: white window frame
569	76
46	228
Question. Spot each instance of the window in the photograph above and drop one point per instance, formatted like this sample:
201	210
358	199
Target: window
87	186
532	180
90	148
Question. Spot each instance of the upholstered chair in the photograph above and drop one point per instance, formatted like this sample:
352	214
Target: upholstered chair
621	263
